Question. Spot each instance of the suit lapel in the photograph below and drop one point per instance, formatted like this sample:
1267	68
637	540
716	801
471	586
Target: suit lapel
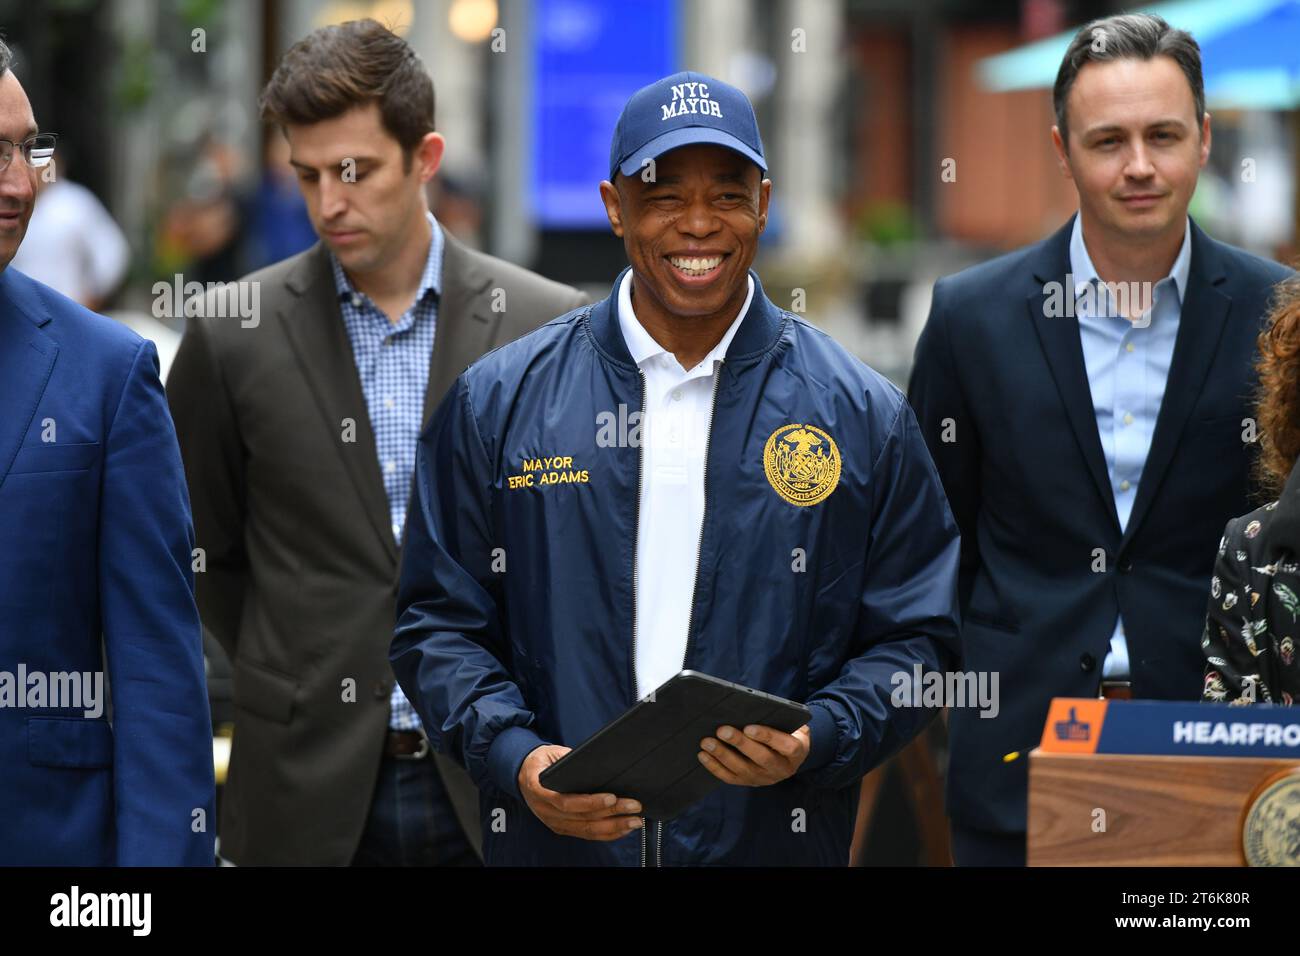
1204	314
320	342
1058	335
465	321
26	359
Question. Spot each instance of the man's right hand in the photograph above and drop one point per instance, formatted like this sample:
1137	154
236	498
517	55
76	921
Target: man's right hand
588	816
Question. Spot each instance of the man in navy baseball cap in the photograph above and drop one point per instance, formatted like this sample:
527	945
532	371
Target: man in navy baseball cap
687	195
681	110
808	454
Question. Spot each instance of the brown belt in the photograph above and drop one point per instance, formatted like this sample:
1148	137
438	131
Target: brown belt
1116	690
406	745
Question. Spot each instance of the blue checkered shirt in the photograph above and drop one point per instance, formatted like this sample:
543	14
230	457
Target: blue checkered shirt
393	363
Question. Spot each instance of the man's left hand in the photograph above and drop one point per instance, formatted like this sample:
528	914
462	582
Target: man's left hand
758	757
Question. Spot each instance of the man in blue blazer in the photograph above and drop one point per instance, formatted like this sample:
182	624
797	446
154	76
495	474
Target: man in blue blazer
95	574
1086	401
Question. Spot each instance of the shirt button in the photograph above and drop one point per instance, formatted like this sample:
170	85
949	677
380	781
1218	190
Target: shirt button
390	466
1128	419
677	395
1124	485
1128	347
356	301
389	403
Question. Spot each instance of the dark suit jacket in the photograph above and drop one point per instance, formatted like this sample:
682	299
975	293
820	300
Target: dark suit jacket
302	568
95	542
1027	481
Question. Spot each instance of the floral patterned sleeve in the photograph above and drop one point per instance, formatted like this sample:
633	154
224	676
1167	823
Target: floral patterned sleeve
1236	628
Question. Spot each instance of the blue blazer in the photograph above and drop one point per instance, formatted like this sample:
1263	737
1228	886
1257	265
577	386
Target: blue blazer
1045	568
95	569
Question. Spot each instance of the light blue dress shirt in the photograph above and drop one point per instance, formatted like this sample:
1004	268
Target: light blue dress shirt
392	360
1128	364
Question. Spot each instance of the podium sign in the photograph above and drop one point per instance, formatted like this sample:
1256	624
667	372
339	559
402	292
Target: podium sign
1142	783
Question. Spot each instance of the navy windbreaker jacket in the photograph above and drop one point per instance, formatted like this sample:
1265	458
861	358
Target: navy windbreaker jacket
827	572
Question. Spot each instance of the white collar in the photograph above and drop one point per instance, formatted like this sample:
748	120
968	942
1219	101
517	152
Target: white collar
643	347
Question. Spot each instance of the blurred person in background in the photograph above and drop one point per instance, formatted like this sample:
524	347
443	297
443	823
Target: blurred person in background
1252	623
299	433
457	202
1085	402
95	569
279	225
73	244
201	233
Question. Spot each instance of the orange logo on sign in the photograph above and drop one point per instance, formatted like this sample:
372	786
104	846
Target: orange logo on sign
1073	725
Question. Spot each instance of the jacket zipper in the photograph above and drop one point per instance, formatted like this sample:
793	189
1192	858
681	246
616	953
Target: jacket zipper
636	536
699	550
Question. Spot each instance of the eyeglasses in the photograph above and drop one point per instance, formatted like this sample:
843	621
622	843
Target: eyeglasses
37	151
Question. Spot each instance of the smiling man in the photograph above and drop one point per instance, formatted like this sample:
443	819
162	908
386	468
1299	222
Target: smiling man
298	432
770	517
1085	400
95	574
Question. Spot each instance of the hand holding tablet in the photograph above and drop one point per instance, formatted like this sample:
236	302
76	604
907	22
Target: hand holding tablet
651	754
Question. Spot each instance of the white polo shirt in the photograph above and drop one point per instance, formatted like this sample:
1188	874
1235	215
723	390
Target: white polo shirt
674	439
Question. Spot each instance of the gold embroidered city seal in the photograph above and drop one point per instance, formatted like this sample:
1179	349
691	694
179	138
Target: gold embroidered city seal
802	463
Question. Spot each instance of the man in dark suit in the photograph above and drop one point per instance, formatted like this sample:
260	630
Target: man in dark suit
298	427
1086	402
95	542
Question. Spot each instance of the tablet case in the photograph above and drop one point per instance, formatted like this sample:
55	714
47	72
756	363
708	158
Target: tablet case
649	753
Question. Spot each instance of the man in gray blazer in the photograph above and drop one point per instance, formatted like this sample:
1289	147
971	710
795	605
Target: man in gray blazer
298	414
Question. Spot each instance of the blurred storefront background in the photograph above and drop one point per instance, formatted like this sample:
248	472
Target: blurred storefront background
899	151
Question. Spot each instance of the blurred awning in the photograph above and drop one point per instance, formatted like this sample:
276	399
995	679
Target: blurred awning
1256	64
1250	52
1275	89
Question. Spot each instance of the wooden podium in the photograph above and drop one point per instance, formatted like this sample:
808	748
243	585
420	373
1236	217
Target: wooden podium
1088	807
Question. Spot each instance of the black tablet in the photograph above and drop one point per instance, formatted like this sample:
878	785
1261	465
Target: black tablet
649	753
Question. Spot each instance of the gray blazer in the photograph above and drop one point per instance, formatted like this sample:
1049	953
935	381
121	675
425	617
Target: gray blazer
301	566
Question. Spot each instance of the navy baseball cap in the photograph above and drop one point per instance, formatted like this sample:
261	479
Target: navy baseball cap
682	110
